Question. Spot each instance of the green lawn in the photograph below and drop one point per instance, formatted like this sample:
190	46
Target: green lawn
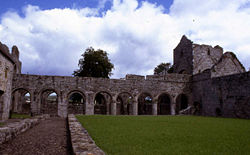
21	116
130	135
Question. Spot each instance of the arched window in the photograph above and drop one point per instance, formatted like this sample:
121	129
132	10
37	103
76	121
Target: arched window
6	73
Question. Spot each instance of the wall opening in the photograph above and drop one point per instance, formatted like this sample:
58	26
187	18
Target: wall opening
181	103
124	104
102	103
164	105
76	103
1	103
49	103
183	71
197	108
6	73
218	112
21	102
145	104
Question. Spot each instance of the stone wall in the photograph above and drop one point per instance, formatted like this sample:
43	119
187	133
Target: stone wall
198	66
227	65
11	130
173	85
6	76
82	143
183	57
227	96
205	57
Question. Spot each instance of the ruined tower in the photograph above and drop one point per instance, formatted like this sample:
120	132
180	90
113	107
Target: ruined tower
183	57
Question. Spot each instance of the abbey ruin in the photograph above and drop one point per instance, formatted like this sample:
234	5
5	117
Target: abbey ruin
205	82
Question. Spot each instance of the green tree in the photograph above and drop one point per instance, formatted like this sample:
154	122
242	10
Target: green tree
95	63
163	68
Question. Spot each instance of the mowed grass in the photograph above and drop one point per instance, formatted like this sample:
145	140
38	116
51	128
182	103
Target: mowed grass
168	134
20	116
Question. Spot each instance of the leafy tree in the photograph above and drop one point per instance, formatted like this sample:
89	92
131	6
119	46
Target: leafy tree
95	63
163	68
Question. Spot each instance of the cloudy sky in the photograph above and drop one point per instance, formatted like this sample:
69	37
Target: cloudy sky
138	35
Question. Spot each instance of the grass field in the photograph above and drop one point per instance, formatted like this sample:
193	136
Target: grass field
130	135
21	116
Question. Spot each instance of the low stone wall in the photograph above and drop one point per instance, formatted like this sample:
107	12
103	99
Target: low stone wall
11	130
82	143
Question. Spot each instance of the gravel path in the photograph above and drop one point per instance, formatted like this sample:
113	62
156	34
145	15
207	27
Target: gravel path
49	137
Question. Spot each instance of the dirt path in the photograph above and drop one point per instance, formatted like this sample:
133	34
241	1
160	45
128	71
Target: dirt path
47	138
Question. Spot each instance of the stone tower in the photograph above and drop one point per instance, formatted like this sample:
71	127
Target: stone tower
183	57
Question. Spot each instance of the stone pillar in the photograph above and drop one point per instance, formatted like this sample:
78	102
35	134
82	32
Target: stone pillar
89	105
108	108
62	105
113	108
154	108
18	101
173	106
38	101
15	104
135	107
32	104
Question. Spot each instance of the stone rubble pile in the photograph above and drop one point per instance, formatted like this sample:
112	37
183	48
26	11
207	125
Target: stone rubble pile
11	130
82	143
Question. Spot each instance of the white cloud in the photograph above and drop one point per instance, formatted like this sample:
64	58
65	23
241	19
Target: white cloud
136	38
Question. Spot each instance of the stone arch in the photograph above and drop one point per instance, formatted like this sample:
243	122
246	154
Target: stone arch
124	103
49	101
102	103
181	103
76	102
197	108
21	101
183	71
145	104
164	104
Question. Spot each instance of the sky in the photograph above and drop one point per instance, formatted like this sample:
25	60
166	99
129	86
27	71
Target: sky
137	34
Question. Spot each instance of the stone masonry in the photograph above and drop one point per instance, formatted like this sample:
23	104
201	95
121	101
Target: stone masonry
205	81
9	65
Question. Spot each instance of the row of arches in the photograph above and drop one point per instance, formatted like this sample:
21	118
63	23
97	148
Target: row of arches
103	103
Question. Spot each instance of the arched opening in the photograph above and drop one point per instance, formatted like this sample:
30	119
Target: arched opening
26	104
21	102
49	102
181	103
76	103
218	112
102	103
1	103
145	104
164	105
124	104
197	108
183	71
15	69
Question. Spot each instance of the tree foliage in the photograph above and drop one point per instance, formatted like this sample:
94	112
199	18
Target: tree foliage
163	68
95	63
